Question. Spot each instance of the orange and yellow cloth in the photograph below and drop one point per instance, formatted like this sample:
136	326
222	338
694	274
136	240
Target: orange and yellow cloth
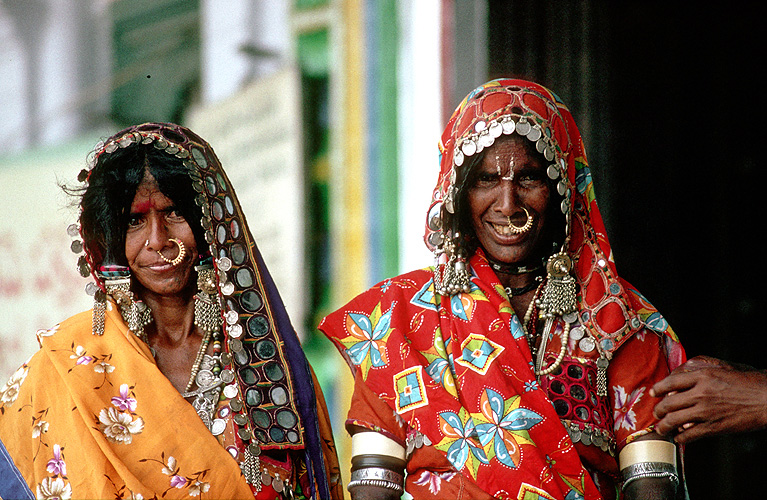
93	417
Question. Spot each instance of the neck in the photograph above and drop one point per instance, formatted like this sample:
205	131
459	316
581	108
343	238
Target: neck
173	319
513	269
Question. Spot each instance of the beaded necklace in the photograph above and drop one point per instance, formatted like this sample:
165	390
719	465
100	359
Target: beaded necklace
531	336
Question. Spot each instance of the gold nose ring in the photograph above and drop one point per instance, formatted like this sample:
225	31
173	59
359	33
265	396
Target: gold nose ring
179	257
523	228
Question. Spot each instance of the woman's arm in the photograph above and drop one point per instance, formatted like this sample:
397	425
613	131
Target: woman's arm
648	467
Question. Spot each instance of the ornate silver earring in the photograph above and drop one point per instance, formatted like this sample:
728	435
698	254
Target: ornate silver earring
207	307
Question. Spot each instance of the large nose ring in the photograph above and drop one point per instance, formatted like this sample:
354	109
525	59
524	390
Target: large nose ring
179	257
525	227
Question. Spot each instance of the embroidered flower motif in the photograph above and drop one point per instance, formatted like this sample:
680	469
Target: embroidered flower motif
39	429
119	427
103	367
10	390
80	355
434	480
124	401
41	334
624	415
194	484
531	385
198	487
460	441
170	468
54	488
366	344
178	481
56	465
504	427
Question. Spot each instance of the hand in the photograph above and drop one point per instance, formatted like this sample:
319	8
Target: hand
707	396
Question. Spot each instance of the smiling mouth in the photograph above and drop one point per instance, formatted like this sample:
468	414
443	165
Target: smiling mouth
160	266
502	229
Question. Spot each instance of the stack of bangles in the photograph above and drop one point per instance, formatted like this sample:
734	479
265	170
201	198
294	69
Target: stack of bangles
650	458
377	461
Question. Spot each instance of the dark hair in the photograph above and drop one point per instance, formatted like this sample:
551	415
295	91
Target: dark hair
467	177
112	185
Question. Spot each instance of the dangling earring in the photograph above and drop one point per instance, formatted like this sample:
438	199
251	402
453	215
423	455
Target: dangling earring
455	275
558	297
207	308
117	285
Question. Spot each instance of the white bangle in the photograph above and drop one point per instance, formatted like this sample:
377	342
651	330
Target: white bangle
649	450
375	443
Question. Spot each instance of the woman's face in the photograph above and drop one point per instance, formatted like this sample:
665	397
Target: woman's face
508	181
153	222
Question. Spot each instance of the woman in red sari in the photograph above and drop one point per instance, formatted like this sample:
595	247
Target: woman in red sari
518	366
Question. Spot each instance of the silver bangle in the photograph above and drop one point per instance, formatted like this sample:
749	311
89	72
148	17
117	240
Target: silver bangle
648	469
377	476
376	482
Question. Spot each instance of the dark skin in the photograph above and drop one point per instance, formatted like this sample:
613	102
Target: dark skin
706	397
508	181
167	289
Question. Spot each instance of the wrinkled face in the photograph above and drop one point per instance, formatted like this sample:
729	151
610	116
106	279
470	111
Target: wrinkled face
153	222
508	181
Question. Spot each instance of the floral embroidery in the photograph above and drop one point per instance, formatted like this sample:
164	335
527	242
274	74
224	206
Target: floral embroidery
118	423
10	390
460	441
41	334
125	401
194	483
55	487
434	480
39	428
56	465
624	415
366	344
81	356
504	427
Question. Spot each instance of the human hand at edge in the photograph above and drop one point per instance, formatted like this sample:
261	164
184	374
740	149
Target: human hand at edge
707	396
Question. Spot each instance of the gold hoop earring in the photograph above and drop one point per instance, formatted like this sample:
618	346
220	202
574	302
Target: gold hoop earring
179	257
524	228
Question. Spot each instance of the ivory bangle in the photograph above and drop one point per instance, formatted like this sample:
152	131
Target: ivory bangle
374	443
651	450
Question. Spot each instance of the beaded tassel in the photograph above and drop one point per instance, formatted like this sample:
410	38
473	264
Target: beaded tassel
454	277
251	469
602	364
99	314
558	297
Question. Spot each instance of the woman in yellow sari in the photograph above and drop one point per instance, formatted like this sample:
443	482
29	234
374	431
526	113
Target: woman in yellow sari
187	378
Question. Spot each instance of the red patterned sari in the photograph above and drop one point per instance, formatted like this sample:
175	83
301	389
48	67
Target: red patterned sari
451	377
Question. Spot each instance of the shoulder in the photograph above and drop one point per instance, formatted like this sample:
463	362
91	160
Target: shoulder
68	330
402	288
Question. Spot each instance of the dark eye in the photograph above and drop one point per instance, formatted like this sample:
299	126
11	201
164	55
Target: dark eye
531	178
135	220
486	179
174	215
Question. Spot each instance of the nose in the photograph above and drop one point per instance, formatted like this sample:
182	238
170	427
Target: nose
157	236
508	199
